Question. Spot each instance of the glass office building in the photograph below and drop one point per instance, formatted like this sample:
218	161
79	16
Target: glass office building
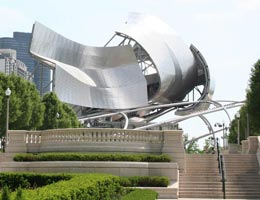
21	42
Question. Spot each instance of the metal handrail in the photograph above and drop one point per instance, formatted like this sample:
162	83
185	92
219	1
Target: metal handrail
221	171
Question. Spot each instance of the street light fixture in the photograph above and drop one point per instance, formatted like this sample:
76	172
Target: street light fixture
238	127
224	128
57	116
7	94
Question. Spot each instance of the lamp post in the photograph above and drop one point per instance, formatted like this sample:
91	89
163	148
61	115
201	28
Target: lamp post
223	137
7	94
238	127
57	116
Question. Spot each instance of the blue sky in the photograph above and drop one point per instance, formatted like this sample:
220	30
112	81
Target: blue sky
227	32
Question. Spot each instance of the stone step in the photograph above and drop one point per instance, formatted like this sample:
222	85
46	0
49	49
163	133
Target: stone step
199	174
200	183
241	194
197	160
238	164
201	179
243	182
202	169
239	173
202	164
236	179
244	189
228	166
215	186
191	189
200	155
201	194
239	159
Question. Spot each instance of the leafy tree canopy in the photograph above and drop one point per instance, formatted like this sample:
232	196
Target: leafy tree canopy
253	99
250	111
26	109
58	114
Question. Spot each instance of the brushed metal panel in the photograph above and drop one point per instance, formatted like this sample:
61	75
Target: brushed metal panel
98	77
172	57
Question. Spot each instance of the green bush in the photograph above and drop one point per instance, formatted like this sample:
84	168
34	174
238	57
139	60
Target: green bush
5	193
28	157
19	194
80	187
144	181
29	180
141	194
76	186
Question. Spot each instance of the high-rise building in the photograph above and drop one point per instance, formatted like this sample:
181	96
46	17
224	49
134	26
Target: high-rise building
9	64
21	43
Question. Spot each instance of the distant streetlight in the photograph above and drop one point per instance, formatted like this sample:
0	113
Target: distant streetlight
7	94
57	116
238	127
224	128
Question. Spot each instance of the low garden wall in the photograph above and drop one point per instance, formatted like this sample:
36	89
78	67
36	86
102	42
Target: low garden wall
252	146
99	140
169	170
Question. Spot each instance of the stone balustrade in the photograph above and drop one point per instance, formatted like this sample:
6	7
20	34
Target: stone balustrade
99	140
252	146
244	146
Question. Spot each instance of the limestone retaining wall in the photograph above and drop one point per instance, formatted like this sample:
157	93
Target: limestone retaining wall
99	140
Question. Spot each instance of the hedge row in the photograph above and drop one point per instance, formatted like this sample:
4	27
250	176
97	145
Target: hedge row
83	187
77	186
30	180
144	181
28	157
141	194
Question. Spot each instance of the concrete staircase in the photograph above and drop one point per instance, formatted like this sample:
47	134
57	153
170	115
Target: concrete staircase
242	178
201	179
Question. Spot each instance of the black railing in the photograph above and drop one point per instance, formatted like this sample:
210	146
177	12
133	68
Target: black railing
221	171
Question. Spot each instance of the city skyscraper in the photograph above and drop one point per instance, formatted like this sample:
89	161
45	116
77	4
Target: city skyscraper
9	64
21	42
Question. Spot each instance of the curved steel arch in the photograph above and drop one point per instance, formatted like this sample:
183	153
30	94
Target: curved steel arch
182	118
208	124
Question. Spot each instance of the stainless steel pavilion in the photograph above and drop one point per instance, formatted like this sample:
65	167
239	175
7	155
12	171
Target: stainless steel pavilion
149	66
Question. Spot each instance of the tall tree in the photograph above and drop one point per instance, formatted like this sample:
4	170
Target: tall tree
58	114
233	130
26	109
253	99
251	109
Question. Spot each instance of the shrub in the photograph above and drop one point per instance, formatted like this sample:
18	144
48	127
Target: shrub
90	157
5	193
141	194
29	180
144	181
19	194
80	187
